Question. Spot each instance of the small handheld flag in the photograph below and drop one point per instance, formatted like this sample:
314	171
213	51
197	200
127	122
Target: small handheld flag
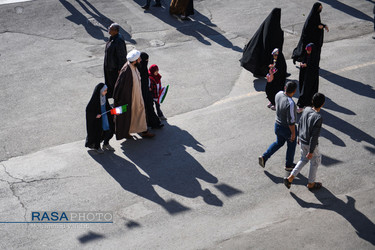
119	110
163	93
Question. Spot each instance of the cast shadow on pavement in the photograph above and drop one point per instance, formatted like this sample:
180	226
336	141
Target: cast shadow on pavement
98	26
345	127
90	236
132	180
168	163
330	104
364	227
299	180
199	26
347	9
354	86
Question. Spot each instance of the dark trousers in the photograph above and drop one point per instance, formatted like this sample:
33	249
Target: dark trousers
158	110
107	136
110	77
282	135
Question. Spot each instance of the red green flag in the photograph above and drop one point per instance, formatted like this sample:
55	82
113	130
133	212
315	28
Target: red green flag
119	110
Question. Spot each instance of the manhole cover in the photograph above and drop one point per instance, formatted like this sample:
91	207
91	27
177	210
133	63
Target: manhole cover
156	43
19	9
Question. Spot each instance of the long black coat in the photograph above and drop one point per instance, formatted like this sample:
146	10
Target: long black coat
279	78
257	53
151	118
94	128
310	34
122	95
309	78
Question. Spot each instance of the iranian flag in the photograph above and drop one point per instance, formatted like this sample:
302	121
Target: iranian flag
119	110
162	94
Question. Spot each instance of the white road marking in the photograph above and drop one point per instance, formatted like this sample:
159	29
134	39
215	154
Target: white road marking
13	1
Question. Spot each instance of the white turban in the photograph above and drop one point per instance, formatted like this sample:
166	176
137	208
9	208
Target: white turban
133	55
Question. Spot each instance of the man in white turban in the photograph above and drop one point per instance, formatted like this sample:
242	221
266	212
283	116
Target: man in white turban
128	91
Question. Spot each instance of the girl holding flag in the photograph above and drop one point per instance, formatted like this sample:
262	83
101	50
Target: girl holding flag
99	120
155	86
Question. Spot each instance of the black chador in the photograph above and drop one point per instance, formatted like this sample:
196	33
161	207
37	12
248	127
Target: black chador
151	118
308	76
257	53
277	84
310	34
97	129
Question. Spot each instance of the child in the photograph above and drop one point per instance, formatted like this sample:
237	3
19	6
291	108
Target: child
309	131
99	127
155	86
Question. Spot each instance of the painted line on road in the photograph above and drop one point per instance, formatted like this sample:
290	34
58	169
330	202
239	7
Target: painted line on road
236	98
13	1
350	68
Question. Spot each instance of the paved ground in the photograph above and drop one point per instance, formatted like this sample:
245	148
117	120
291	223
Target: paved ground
200	186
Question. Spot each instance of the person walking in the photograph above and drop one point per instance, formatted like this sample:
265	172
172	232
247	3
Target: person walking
285	128
309	127
275	83
257	53
148	2
99	124
308	77
128	92
184	8
312	32
155	85
114	58
152	119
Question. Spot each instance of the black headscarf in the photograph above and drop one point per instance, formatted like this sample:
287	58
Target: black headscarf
257	53
309	77
310	33
93	124
151	118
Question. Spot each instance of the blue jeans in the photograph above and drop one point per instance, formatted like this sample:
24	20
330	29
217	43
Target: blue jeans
282	135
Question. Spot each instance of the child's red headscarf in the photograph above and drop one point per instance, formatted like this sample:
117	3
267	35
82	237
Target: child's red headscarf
151	71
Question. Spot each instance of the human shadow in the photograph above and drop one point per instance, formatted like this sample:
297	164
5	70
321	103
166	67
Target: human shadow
131	180
96	27
339	124
354	86
332	137
260	84
364	227
198	26
299	180
165	159
347	9
329	161
329	104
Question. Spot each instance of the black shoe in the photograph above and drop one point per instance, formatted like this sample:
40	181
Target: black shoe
288	74
146	7
157	5
262	163
158	126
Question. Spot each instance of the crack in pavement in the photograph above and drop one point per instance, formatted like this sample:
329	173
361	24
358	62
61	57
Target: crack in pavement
46	37
20	180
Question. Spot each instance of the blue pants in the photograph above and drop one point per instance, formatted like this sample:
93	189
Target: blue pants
282	135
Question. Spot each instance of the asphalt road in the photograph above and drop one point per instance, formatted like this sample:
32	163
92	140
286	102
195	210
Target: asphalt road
197	184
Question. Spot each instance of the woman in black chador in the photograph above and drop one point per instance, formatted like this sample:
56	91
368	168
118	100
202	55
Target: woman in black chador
257	53
99	127
276	77
308	77
152	119
312	32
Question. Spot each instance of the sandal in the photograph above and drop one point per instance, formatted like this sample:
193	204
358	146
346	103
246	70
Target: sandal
287	183
317	185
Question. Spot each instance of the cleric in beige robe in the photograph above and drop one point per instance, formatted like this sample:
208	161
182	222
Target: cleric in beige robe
128	91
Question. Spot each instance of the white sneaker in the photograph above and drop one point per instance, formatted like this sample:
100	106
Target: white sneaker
108	147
